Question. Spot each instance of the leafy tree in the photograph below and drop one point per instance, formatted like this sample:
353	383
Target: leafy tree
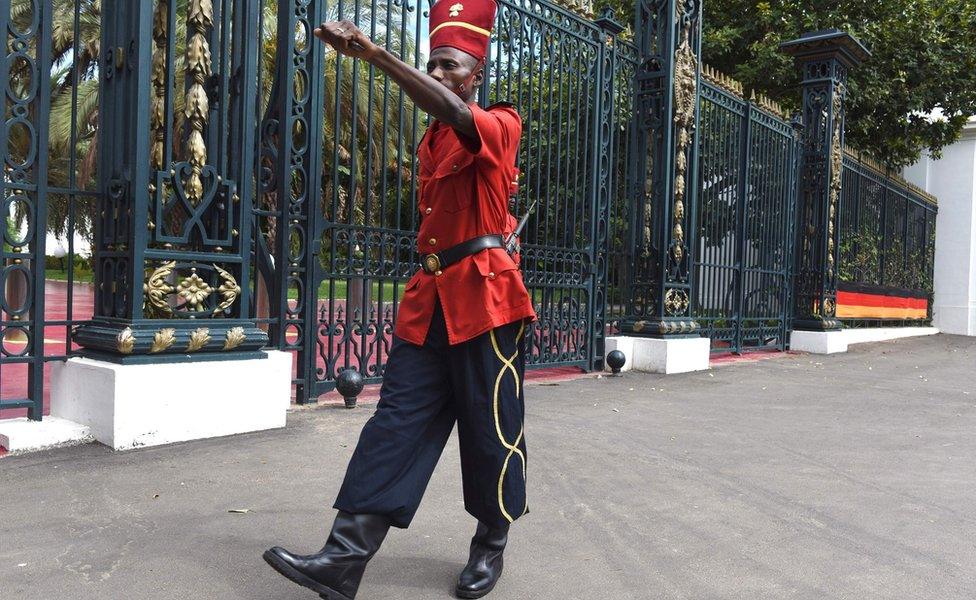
923	63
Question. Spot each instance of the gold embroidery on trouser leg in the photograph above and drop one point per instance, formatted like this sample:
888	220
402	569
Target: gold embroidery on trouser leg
508	366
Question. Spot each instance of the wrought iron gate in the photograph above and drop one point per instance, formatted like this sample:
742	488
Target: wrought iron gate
320	228
352	135
745	219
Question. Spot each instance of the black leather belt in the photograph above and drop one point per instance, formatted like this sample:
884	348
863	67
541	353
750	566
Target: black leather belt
433	263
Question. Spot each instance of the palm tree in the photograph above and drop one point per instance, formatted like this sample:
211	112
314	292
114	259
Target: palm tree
363	124
369	129
73	131
74	102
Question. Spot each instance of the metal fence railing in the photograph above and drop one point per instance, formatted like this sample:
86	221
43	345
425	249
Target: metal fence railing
887	246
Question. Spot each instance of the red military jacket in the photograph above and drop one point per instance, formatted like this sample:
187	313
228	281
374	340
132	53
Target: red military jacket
464	194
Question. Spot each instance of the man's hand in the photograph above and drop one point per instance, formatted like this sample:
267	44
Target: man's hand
347	39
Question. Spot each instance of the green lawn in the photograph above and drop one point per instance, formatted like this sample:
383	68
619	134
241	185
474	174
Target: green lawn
340	289
341	285
59	275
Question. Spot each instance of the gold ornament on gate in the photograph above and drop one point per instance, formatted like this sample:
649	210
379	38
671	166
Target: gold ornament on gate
229	291
676	302
836	172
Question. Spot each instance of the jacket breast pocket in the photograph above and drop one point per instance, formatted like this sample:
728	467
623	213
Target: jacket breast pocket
455	181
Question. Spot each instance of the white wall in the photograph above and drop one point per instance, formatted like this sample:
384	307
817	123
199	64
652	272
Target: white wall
952	179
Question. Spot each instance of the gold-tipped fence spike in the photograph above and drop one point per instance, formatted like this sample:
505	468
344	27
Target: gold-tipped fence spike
770	105
876	164
885	172
722	80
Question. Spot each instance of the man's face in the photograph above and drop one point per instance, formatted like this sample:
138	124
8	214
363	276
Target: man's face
452	68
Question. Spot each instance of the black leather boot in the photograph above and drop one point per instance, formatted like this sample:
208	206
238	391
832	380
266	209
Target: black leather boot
484	566
335	572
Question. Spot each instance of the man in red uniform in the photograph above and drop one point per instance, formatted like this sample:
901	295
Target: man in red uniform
457	354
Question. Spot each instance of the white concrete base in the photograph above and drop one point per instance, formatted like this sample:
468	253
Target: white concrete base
653	355
129	406
22	435
833	342
882	334
819	342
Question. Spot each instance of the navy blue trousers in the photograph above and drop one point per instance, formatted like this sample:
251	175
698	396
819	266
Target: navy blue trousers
426	390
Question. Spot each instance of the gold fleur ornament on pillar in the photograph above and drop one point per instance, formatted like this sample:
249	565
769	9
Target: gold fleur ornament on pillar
198	339
197	106
234	338
163	339
159	82
229	291
125	341
157	289
837	168
195	291
685	96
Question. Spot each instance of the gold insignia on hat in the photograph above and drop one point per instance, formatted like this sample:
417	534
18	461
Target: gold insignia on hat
456	9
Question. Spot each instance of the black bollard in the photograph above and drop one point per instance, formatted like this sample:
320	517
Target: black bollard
349	383
616	360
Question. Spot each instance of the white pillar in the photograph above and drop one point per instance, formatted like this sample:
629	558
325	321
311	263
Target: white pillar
952	179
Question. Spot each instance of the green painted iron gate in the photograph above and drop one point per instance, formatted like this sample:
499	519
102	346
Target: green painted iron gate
746	212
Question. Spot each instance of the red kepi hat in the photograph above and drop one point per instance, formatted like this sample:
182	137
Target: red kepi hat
463	24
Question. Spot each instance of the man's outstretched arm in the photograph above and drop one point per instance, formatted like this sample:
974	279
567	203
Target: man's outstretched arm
427	93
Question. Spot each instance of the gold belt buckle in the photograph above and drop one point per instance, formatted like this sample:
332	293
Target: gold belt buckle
432	263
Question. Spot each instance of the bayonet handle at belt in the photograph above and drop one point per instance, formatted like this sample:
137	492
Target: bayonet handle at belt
511	244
